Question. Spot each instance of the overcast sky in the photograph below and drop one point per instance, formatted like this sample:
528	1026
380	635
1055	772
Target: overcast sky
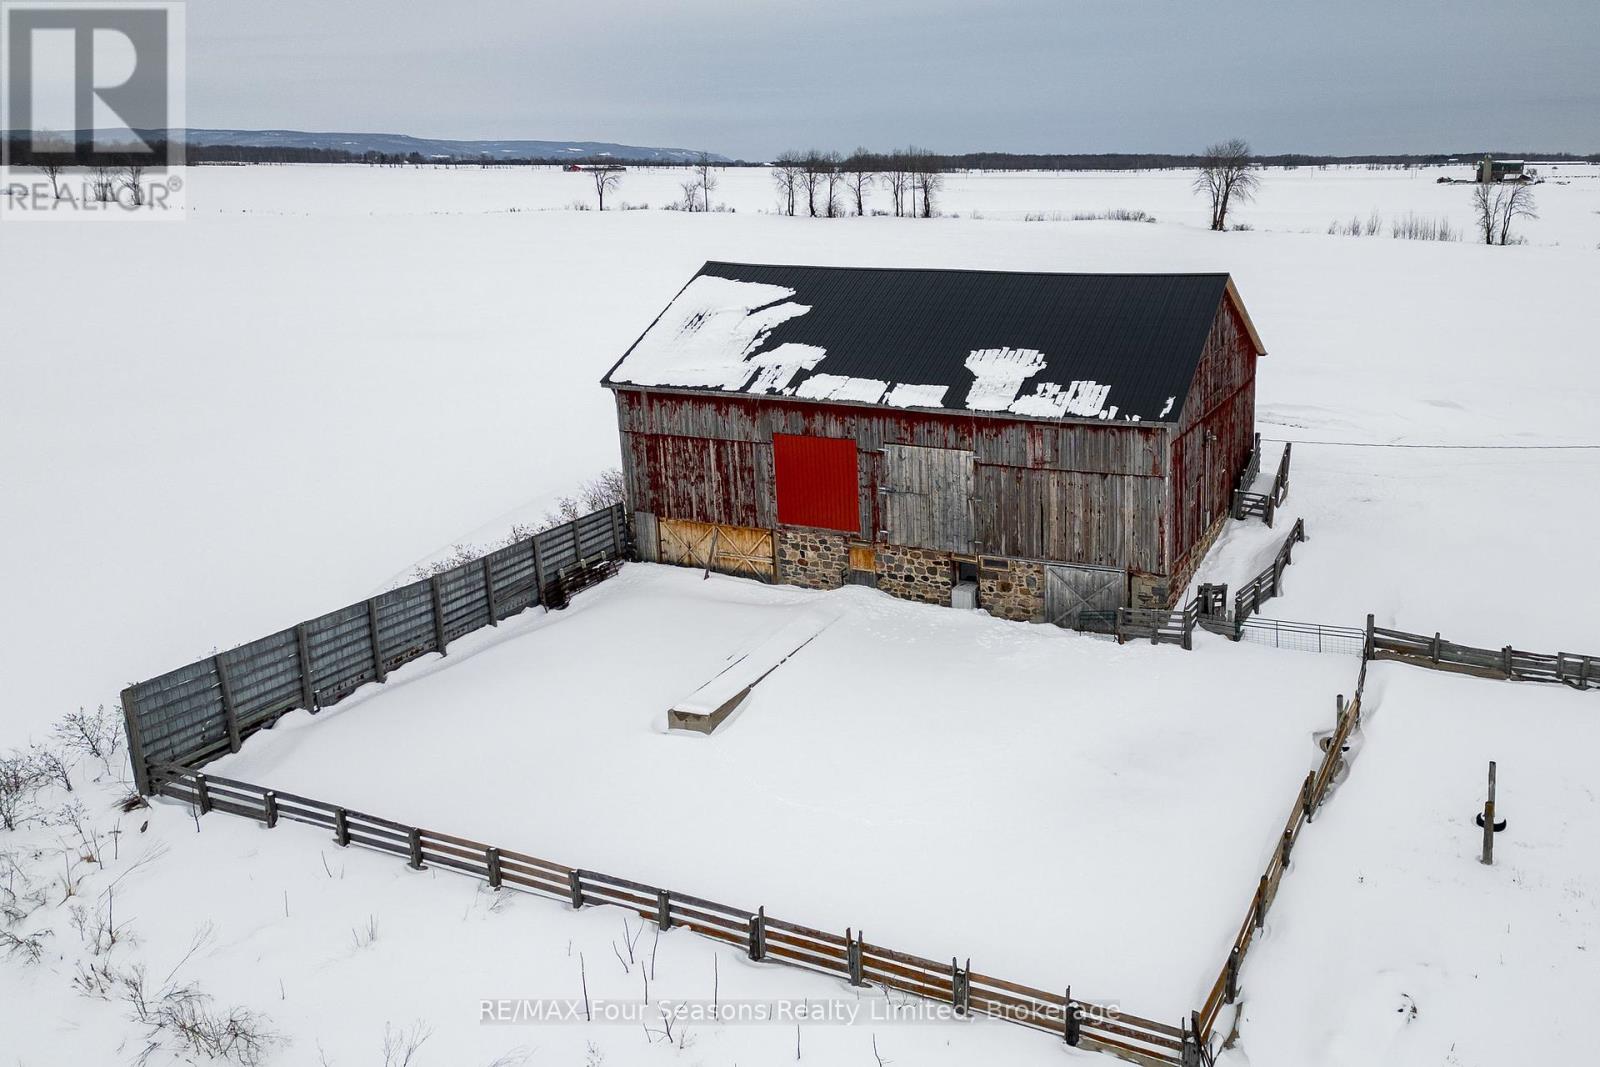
750	78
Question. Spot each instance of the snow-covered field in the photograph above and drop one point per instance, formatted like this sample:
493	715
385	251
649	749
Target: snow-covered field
933	777
212	429
1390	944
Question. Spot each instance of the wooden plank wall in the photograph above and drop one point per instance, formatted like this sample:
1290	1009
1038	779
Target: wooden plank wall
200	711
1076	492
1214	436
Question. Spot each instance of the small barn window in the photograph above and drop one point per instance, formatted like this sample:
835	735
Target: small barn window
816	482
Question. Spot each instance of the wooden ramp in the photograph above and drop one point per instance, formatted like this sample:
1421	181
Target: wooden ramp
709	706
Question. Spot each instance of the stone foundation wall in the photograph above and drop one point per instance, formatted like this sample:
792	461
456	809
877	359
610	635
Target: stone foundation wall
921	574
1185	573
815	559
1011	589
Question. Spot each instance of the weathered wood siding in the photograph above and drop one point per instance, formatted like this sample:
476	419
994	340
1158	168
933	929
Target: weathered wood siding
927	497
1082	492
1213	437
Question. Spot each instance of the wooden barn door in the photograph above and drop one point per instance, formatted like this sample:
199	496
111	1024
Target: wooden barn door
1084	597
740	550
927	497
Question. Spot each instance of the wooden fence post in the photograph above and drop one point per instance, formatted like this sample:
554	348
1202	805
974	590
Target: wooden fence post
538	572
1305	796
269	803
1261	903
960	986
1488	821
130	722
414	841
758	934
202	793
378	673
1230	990
438	614
1434	649
491	859
1074	1025
488	592
575	886
663	910
230	717
341	827
308	695
852	957
1370	649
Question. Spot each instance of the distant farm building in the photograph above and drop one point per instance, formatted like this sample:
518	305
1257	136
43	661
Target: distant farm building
1040	445
1500	170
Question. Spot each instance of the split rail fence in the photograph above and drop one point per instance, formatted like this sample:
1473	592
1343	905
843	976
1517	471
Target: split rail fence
1578	671
1313	792
763	937
202	710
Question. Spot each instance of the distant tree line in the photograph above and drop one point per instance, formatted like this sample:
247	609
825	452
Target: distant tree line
823	184
931	162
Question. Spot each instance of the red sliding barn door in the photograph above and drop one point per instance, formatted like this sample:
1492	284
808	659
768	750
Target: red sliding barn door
816	482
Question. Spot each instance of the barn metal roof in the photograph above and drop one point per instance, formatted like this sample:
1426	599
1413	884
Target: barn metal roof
1069	346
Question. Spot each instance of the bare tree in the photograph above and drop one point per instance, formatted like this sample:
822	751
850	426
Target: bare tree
860	170
786	172
1496	207
706	179
104	186
606	179
898	174
832	178
928	179
812	166
1227	173
133	183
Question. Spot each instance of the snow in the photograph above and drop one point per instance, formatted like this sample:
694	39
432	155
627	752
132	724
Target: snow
1389	943
366	364
841	387
710	334
904	395
868	781
998	374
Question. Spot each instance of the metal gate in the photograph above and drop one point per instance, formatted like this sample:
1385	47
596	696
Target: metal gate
927	497
1083	597
740	550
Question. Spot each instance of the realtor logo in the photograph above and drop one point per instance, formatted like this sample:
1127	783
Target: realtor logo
92	100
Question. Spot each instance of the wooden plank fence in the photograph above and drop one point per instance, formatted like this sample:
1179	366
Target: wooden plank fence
1247	503
1091	1026
207	708
1574	669
1308	800
1269	583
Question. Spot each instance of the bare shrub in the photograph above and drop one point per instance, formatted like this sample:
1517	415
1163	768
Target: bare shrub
180	1020
96	734
20	782
400	1047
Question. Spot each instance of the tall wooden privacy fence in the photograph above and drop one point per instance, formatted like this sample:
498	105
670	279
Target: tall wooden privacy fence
763	937
1313	791
209	707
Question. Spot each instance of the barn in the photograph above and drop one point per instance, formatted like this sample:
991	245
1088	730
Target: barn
1038	445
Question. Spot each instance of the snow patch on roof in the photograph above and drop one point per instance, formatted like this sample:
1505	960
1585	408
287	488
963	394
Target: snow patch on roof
707	336
998	375
1086	399
1170	401
906	395
840	387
